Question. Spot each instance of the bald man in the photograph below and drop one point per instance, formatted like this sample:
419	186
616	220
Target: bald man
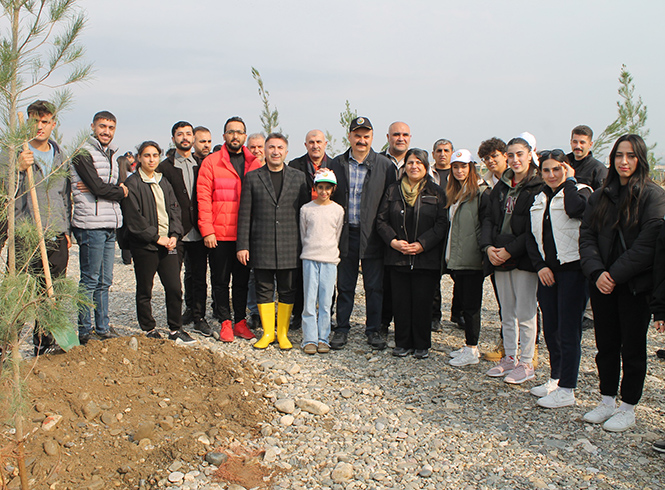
399	141
309	163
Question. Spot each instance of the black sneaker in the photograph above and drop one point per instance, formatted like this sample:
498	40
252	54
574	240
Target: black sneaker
375	340
421	353
201	326
296	323
180	336
111	333
44	349
339	340
659	446
436	326
254	322
153	334
187	317
384	329
660	353
402	351
587	324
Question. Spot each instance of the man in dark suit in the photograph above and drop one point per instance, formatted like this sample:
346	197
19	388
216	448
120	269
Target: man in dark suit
309	163
269	237
362	178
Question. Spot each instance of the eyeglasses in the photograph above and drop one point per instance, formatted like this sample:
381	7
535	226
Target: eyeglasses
232	132
544	155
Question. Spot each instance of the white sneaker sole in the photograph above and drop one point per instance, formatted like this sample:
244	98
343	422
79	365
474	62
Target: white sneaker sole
518	381
454	362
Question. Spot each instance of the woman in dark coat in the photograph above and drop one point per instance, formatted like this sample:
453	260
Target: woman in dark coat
152	229
617	248
412	221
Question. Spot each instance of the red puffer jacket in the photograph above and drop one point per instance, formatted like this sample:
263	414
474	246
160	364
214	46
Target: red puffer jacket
218	194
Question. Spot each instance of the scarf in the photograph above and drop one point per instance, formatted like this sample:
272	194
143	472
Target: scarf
411	192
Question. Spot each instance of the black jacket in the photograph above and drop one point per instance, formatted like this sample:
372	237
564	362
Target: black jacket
633	248
304	165
431	225
140	224
188	205
514	242
588	171
658	296
379	177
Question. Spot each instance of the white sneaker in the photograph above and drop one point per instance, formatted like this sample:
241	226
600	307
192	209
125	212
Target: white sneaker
620	421
457	352
600	414
557	399
467	357
545	389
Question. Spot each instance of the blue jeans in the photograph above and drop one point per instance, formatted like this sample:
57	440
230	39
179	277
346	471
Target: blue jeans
318	287
96	254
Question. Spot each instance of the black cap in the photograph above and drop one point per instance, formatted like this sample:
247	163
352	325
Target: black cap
360	122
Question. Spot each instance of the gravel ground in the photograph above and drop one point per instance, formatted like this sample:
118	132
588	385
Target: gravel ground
411	424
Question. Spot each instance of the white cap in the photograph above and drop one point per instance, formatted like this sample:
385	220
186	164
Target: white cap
325	175
462	155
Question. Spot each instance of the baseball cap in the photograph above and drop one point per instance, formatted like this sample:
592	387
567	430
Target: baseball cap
462	155
325	175
360	122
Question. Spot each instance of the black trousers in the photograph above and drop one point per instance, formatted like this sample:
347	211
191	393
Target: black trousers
299	301
224	265
196	256
265	285
621	321
469	294
58	258
412	294
387	306
167	265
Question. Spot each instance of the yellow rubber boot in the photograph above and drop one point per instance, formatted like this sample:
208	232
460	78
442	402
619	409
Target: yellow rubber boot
283	320
267	314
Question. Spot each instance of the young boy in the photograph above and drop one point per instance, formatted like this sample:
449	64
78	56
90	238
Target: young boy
320	228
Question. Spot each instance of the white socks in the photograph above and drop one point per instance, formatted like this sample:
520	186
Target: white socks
626	407
609	400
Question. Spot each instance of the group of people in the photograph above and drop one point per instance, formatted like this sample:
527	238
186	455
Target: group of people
552	230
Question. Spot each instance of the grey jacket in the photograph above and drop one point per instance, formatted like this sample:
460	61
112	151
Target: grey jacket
99	207
464	236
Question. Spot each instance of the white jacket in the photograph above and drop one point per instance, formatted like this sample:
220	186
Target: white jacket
565	230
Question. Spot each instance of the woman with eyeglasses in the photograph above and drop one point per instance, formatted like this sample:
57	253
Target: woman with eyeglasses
617	249
553	246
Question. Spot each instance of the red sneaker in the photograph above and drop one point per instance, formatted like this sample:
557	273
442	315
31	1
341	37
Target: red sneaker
241	330
226	332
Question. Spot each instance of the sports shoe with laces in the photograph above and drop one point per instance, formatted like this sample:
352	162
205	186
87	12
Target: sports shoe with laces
376	341
545	389
201	326
467	357
505	366
181	337
659	446
226	332
339	340
620	421
523	372
421	353
600	414
241	330
153	334
557	399
457	352
402	351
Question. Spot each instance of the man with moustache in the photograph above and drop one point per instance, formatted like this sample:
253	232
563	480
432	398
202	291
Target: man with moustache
442	151
256	143
180	168
218	192
362	178
202	143
270	207
309	164
96	194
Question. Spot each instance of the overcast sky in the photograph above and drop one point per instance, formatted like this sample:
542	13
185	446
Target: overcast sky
465	71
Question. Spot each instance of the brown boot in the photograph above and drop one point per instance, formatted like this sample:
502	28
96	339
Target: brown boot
497	353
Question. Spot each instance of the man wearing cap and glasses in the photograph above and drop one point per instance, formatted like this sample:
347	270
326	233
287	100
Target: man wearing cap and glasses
362	178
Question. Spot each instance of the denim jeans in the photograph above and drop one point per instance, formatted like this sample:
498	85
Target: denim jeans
318	287
96	254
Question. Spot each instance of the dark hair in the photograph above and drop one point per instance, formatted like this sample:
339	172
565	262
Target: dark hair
235	119
420	154
201	128
216	148
147	144
181	124
583	130
457	191
521	141
123	162
41	108
556	154
103	115
628	215
491	145
278	136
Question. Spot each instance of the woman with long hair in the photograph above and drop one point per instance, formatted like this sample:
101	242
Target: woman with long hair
617	248
553	245
467	197
152	222
504	233
412	222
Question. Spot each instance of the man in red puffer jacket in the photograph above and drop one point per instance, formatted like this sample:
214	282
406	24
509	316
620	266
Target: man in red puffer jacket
218	195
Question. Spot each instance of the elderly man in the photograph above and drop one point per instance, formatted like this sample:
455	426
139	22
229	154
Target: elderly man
256	143
362	178
442	151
